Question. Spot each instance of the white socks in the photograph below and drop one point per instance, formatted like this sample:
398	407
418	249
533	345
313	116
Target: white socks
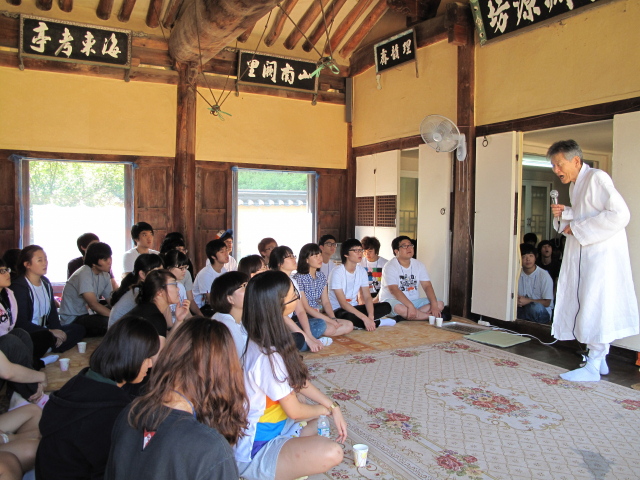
326	341
589	373
50	359
604	368
387	322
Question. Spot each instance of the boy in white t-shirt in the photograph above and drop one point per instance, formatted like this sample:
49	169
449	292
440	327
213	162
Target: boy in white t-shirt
142	236
348	280
218	255
401	277
535	288
373	263
327	244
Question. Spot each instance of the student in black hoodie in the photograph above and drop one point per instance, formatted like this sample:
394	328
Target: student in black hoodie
77	420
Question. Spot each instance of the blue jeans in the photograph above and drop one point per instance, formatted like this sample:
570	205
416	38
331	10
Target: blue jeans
534	312
317	326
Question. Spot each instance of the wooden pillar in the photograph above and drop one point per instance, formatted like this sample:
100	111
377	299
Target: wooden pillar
184	187
351	187
464	186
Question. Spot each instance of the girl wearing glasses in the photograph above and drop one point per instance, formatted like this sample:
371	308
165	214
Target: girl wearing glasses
227	298
277	442
176	262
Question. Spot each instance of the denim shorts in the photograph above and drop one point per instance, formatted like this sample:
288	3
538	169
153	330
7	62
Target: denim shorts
420	302
317	326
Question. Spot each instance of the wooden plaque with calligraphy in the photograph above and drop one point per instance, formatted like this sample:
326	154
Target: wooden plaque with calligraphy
74	42
394	51
499	19
276	71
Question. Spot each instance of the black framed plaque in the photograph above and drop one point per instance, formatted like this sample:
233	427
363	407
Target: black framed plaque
394	51
276	71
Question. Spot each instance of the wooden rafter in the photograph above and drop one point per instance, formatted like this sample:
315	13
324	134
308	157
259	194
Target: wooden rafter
365	27
218	23
347	23
44	4
14	2
153	14
104	9
171	13
65	5
305	23
278	23
320	30
126	9
246	34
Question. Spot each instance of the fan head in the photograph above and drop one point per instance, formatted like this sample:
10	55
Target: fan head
440	133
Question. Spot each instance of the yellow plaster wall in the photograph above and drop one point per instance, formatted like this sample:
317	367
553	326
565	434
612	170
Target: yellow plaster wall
590	58
397	110
74	113
272	131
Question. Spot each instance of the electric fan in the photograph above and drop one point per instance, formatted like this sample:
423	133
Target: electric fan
443	135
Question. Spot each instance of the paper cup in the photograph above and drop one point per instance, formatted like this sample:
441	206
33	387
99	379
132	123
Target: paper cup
82	347
360	452
432	319
64	364
438	322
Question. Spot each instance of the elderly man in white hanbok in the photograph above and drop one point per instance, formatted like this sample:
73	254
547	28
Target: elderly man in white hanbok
596	301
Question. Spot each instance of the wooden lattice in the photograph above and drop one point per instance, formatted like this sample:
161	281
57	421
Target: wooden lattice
365	211
386	211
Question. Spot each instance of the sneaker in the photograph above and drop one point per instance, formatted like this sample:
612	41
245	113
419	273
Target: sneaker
326	341
50	359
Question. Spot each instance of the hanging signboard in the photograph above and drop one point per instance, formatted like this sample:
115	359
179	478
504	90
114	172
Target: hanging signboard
74	42
499	18
395	51
276	71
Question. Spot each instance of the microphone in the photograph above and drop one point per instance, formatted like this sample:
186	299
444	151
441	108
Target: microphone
554	199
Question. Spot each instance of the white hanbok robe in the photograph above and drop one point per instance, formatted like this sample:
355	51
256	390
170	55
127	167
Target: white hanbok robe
608	308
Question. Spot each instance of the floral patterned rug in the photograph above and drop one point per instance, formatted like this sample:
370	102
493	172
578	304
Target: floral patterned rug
468	411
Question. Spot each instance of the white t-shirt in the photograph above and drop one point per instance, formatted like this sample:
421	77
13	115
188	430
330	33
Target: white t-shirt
326	268
266	417
230	266
349	283
374	271
406	279
202	284
237	330
41	302
537	286
183	296
129	258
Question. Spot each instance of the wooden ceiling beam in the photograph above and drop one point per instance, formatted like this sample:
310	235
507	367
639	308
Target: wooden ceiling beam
125	11
278	23
15	3
65	5
320	30
171	13
305	23
346	24
104	9
246	34
153	14
364	28
219	22
44	4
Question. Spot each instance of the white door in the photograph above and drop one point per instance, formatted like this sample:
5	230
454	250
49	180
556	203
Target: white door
625	172
496	260
434	199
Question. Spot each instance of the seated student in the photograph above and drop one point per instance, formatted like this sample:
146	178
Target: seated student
252	265
227	297
84	289
401	277
123	300
227	237
10	258
276	445
530	238
265	247
194	410
37	312
176	262
217	255
20	436
175	241
373	263
77	420
348	280
142	236
158	292
83	243
535	288
314	295
283	259
327	244
547	262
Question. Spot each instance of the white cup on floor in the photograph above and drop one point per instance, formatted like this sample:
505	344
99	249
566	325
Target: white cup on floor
438	322
82	347
64	364
432	320
360	452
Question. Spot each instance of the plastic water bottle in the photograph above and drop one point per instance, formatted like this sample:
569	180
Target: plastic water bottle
323	427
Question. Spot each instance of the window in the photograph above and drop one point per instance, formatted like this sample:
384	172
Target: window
61	200
276	204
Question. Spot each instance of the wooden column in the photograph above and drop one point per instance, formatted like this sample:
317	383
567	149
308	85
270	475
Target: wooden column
351	187
184	215
464	201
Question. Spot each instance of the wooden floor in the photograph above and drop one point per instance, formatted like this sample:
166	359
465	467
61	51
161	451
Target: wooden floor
404	334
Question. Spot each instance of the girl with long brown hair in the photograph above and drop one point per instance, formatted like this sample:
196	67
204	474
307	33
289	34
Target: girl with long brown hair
278	442
195	408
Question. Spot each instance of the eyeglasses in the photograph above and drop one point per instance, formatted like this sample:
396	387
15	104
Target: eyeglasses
291	256
172	283
356	250
297	294
4	270
244	285
184	268
330	244
406	246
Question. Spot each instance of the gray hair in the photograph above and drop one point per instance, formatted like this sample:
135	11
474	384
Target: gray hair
568	148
